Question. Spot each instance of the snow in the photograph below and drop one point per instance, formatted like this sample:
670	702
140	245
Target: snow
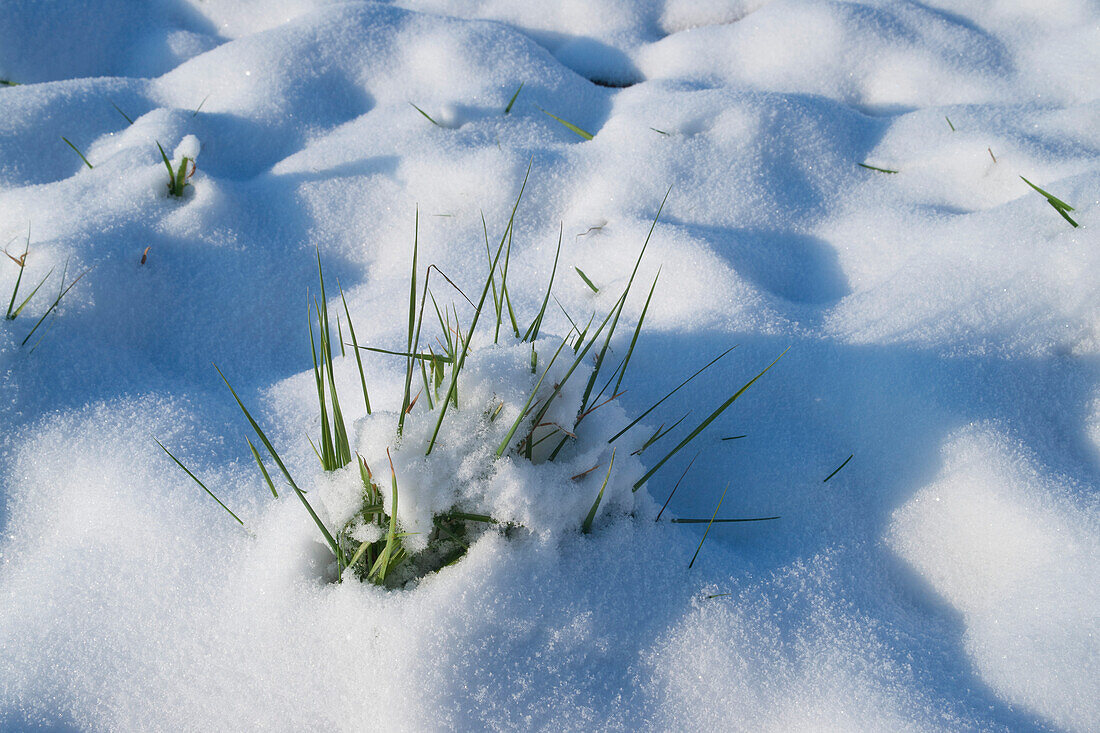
943	325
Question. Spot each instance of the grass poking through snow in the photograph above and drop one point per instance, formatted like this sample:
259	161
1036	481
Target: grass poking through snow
77	151
1058	204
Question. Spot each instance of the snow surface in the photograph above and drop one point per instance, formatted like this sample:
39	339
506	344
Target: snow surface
944	325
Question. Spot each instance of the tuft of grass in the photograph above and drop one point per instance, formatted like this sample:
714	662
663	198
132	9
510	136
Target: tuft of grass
427	116
842	465
9	83
370	543
178	178
512	101
77	151
197	481
568	125
1058	204
875	168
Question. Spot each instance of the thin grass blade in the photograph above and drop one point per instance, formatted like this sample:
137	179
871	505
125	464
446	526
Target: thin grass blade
702	426
197	481
700	547
587	526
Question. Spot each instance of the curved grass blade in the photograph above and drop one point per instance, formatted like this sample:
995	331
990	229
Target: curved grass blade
842	465
197	481
77	151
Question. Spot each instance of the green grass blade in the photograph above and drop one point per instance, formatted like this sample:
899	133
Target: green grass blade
427	116
842	465
22	262
341	448
197	481
587	526
282	467
124	115
533	330
77	150
637	330
527	405
702	426
512	101
569	125
622	301
263	468
949	123
671	493
678	520
874	168
587	280
64	291
167	163
412	325
1058	204
576	362
452	390
328	451
676	389
355	348
700	547
12	315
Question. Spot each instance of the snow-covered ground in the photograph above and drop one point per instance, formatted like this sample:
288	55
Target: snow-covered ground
943	324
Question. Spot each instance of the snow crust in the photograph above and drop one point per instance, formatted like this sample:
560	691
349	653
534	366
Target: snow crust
944	325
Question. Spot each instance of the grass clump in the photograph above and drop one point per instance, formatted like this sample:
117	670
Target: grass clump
462	432
178	178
